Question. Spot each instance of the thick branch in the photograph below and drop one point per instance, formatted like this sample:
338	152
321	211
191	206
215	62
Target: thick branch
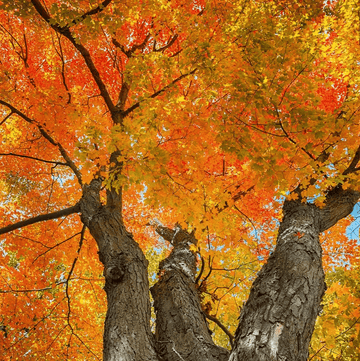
82	50
166	233
137	105
47	136
339	204
180	322
123	95
42	217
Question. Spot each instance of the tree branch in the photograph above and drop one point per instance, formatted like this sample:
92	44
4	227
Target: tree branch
82	233
290	139
170	42
56	245
165	232
33	290
137	105
228	333
6	118
135	47
339	204
42	217
65	30
34	158
201	270
234	198
352	167
47	136
94	11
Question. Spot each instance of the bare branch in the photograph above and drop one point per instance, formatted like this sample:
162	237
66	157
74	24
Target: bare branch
47	136
135	47
70	274
62	58
56	245
82	233
290	139
33	290
94	11
6	118
217	321
293	80
121	47
34	158
170	42
201	270
137	105
123	95
42	217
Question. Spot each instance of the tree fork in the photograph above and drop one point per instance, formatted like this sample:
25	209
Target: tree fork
182	332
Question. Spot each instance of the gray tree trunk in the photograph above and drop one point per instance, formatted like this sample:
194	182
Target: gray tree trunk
127	334
182	332
277	321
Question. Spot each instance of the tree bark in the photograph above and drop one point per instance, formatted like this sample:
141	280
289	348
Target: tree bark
182	332
278	319
127	334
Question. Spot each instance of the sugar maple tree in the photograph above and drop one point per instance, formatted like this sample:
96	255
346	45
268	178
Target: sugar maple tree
194	120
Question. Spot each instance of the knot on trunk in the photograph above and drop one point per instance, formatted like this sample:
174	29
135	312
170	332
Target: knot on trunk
114	274
115	268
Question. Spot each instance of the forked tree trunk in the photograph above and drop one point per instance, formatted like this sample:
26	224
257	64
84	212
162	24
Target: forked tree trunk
275	324
182	332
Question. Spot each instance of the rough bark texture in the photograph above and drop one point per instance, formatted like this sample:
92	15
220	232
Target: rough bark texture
182	332
278	319
127	335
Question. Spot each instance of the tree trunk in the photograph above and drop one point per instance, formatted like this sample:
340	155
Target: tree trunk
127	334
278	319
182	332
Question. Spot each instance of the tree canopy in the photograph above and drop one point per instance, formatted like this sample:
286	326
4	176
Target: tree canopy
201	115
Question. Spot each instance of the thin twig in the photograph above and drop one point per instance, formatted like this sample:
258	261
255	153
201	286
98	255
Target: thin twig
217	321
154	95
34	158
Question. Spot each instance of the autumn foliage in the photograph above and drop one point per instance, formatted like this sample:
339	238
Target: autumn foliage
224	110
